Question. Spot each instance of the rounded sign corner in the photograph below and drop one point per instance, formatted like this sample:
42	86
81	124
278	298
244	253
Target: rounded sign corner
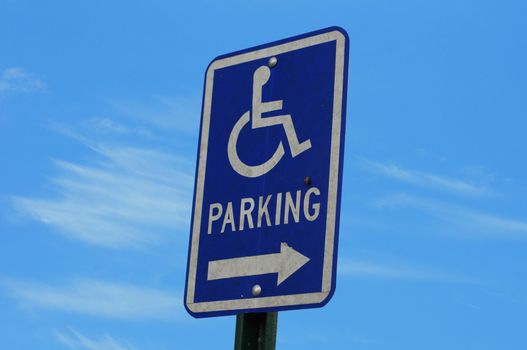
341	32
212	65
326	296
191	310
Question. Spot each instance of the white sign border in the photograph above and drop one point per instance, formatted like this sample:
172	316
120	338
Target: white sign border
285	300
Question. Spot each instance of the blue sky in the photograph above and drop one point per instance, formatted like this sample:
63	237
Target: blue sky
99	117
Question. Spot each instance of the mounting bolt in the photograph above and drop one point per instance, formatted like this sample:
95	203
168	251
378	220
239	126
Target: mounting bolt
256	290
272	62
307	180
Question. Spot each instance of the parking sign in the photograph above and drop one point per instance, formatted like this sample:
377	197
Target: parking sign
269	171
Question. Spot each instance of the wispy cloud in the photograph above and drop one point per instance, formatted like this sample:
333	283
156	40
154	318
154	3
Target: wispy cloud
17	80
163	112
97	298
425	179
392	270
487	224
128	197
76	341
106	127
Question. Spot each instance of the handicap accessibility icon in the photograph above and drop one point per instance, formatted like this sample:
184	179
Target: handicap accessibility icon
260	78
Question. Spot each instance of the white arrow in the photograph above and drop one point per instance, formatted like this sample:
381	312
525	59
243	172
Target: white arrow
285	263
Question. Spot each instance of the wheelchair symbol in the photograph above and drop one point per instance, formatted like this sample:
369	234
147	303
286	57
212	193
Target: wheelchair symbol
260	78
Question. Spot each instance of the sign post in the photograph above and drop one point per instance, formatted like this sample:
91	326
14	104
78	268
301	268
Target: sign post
256	331
265	215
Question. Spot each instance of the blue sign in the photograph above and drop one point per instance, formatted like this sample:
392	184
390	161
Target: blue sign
269	171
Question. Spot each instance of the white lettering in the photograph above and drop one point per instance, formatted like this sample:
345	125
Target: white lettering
214	217
315	206
262	210
294	208
246	212
278	208
287	210
229	218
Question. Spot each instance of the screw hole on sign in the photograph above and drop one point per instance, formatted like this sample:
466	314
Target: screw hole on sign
256	290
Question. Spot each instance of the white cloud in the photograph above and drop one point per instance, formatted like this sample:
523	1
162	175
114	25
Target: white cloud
107	126
129	198
483	223
97	298
163	112
391	270
76	341
425	179
17	80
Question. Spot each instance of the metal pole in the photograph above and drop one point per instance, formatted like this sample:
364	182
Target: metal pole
256	331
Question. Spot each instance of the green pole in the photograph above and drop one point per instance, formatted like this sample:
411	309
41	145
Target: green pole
256	331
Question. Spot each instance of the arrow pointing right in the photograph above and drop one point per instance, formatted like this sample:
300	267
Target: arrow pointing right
285	263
